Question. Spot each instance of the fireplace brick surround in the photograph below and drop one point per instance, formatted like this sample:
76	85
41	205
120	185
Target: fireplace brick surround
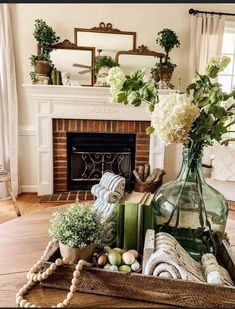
62	126
96	113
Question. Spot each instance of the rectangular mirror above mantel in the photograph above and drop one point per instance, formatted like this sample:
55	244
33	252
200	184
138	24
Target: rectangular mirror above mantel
90	106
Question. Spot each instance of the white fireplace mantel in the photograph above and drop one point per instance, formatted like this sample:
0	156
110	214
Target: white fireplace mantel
74	102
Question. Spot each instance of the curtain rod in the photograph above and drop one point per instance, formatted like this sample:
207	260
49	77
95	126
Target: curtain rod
194	12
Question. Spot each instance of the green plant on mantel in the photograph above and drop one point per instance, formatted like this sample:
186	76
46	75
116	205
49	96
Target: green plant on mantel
45	37
167	39
77	226
104	61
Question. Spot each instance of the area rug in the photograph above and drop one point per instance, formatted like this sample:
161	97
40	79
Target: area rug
69	196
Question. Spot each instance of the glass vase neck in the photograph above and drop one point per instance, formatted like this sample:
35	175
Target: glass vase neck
191	168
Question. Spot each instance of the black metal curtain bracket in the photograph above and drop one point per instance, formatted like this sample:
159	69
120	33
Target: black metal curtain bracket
196	12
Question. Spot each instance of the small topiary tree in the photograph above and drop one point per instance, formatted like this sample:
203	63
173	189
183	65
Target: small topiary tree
167	39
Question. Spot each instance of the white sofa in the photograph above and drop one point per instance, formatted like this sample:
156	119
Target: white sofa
220	170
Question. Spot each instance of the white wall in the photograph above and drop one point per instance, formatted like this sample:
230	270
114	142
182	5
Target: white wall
145	19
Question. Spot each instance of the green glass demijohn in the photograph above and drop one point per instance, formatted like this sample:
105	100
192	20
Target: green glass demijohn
191	210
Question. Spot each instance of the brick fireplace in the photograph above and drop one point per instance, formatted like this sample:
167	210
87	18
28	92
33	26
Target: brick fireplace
62	126
57	110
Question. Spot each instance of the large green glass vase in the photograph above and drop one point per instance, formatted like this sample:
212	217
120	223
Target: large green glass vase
191	210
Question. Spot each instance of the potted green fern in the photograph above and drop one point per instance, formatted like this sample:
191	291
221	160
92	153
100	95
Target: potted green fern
78	229
167	39
45	37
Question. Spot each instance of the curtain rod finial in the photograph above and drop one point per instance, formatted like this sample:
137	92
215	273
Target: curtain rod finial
192	11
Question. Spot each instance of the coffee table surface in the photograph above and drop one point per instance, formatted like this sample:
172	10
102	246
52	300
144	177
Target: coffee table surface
22	242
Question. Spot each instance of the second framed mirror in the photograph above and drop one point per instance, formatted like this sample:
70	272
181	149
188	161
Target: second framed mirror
141	58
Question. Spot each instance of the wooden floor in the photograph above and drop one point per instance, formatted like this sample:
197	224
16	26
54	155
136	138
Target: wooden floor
27	202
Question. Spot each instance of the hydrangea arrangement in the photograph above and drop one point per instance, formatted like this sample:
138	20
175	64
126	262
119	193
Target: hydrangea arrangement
172	118
133	88
186	207
201	115
77	226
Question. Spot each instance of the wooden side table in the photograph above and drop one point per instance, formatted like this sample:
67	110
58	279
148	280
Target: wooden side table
6	177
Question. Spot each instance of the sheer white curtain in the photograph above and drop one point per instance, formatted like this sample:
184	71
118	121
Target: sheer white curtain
8	101
205	41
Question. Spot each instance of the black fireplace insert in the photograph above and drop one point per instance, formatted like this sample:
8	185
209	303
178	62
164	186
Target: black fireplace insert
89	155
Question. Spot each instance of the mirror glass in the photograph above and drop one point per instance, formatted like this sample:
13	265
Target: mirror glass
78	61
130	63
141	58
106	39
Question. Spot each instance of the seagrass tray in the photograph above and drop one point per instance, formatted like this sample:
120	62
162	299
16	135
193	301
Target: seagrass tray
148	288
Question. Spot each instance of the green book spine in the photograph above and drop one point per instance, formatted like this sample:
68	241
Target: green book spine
148	218
120	226
140	228
130	225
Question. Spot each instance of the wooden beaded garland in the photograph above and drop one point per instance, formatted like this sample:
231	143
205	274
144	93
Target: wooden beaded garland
34	275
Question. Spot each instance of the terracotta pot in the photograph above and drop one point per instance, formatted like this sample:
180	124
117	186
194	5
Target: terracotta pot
76	253
42	67
165	73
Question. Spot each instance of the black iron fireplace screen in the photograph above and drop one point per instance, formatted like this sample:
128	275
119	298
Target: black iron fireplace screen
92	154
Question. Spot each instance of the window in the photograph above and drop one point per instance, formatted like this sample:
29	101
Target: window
227	77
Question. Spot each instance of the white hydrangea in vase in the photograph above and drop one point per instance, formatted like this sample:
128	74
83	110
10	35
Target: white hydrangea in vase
187	208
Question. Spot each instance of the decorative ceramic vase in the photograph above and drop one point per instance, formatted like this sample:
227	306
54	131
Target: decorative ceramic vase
76	253
191	210
101	76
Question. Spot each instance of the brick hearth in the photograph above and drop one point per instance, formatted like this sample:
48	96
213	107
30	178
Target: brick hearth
61	126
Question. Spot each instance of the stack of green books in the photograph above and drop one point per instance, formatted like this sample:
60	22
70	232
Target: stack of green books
134	217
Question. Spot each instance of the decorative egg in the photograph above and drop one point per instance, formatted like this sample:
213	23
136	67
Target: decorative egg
122	251
113	268
128	258
134	252
124	268
115	258
107	249
118	249
135	266
107	266
102	260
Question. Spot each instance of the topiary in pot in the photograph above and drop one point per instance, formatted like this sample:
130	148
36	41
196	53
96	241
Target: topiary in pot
45	37
78	229
167	39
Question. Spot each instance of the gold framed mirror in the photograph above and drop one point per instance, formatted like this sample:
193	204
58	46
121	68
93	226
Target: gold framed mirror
140	58
106	39
77	60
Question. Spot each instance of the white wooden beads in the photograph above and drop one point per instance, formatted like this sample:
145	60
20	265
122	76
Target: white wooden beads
34	276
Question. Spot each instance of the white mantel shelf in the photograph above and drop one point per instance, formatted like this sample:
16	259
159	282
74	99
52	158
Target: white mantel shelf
80	102
94	102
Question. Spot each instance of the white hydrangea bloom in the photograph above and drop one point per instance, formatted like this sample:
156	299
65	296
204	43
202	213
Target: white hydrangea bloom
132	96
173	117
115	79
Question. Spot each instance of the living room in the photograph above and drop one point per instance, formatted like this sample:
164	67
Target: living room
123	123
